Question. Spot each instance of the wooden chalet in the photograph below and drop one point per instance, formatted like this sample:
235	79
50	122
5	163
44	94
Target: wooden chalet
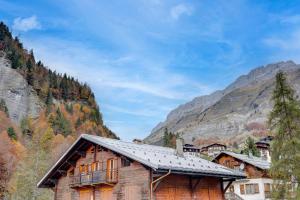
213	149
96	168
191	149
257	185
264	147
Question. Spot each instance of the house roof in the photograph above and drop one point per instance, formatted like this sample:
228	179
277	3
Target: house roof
156	157
252	160
213	144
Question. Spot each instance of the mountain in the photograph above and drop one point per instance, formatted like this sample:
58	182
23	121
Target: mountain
229	114
42	113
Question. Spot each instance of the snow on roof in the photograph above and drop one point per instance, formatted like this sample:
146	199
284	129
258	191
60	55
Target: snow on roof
158	157
253	160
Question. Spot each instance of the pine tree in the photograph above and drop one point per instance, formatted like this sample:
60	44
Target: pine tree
284	121
250	147
49	102
11	133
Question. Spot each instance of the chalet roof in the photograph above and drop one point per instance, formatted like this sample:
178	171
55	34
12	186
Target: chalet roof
213	144
156	157
252	160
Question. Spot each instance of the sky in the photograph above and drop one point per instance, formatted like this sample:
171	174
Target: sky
143	58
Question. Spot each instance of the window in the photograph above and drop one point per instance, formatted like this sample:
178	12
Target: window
111	169
94	166
252	188
82	169
267	187
71	172
125	162
242	189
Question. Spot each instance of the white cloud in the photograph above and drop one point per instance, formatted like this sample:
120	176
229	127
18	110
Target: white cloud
26	24
181	9
288	43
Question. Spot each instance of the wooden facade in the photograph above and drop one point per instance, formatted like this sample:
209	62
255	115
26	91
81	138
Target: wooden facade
213	149
250	170
92	172
101	174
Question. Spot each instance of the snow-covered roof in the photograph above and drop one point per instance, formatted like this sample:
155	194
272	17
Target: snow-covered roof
253	160
155	157
158	157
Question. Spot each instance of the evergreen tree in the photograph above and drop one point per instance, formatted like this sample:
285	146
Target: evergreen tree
49	101
3	107
60	124
11	133
169	138
78	123
284	121
250	148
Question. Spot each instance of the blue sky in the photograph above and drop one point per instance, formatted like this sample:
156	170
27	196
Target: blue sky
145	57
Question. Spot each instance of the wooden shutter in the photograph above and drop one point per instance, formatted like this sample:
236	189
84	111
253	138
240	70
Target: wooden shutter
242	189
256	188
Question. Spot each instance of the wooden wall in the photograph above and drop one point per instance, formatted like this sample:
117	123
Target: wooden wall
133	181
250	170
178	187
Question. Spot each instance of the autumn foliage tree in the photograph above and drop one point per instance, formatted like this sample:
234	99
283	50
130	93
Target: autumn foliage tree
284	121
3	177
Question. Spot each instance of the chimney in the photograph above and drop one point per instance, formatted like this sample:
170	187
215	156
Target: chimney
179	147
250	155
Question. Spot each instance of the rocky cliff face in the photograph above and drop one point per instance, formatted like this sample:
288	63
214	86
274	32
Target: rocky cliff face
19	97
230	112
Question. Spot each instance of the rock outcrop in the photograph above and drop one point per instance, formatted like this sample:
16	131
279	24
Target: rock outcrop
229	112
20	98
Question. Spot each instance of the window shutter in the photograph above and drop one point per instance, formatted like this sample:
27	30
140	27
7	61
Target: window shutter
242	189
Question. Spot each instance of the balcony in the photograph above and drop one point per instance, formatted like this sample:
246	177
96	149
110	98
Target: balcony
108	177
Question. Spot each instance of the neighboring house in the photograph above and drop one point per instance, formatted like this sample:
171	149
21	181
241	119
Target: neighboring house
213	149
96	168
264	145
191	149
257	185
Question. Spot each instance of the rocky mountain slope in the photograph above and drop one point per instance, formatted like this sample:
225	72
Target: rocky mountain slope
239	109
20	98
42	113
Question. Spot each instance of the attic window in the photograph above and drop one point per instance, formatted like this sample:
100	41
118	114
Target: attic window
125	162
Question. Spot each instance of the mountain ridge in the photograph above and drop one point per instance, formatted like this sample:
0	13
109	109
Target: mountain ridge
190	118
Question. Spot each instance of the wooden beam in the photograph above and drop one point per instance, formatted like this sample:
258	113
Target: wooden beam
53	181
72	163
227	186
62	172
81	153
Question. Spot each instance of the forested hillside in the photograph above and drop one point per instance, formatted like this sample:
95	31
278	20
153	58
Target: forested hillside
30	145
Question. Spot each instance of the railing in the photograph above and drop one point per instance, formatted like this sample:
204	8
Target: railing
109	176
232	196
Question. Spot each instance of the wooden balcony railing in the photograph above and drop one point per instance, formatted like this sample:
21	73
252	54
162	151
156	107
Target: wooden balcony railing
109	176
